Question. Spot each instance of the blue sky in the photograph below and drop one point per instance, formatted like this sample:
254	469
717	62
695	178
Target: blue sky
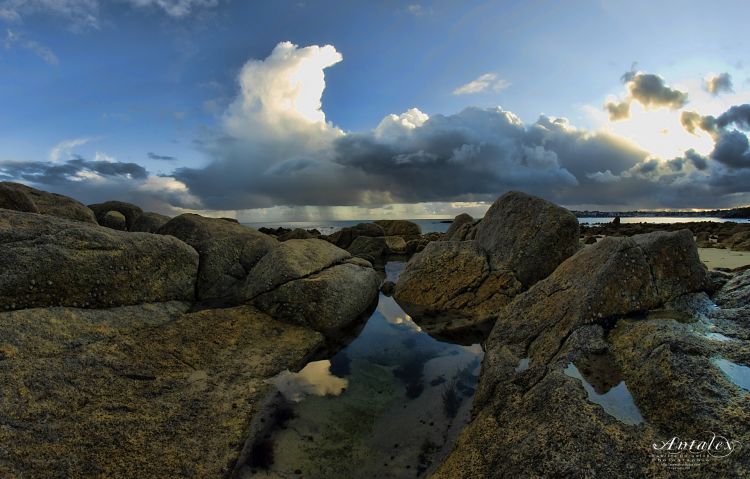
122	79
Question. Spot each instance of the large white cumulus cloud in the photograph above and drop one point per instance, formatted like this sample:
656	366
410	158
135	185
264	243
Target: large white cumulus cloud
275	148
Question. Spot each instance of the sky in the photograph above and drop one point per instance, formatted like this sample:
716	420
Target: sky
306	110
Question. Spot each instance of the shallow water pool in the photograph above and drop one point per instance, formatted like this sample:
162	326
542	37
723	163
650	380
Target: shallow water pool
389	405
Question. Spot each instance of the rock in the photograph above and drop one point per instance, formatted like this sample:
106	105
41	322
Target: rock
50	203
609	279
129	211
589	240
329	301
344	237
740	241
736	292
297	233
114	220
48	261
16	199
291	260
149	222
527	418
458	222
399	228
395	244
228	251
527	235
369	247
416	245
616	221
666	356
453	276
142	391
521	238
388	288
675	265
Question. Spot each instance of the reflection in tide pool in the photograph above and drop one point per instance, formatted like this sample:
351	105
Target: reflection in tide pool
406	398
737	373
607	390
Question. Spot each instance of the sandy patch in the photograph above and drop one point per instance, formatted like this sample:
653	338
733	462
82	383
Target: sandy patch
723	258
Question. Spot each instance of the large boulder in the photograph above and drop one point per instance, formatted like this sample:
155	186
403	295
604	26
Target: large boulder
141	391
149	222
48	261
46	203
543	406
458	230
228	251
291	260
369	247
520	240
12	198
296	233
449	276
528	235
313	283
114	220
399	227
329	301
130	211
609	279
345	236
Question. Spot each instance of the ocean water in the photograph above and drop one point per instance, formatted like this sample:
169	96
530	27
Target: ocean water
441	225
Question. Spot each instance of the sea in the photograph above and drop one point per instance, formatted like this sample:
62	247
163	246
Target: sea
441	225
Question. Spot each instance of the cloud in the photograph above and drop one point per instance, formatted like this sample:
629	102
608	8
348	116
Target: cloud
649	90
418	10
80	14
486	82
315	379
65	148
652	92
618	111
274	150
721	83
154	156
85	14
603	177
731	145
176	8
13	38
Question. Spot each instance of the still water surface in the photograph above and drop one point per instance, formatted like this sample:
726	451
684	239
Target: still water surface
389	405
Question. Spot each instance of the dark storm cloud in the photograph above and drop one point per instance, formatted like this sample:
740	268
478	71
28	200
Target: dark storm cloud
472	155
721	83
700	162
154	156
731	148
53	173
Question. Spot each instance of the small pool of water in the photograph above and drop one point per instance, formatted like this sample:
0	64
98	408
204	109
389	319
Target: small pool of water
389	405
737	373
717	337
604	386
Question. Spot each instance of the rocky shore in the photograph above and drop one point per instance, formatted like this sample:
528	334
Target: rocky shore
137	345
